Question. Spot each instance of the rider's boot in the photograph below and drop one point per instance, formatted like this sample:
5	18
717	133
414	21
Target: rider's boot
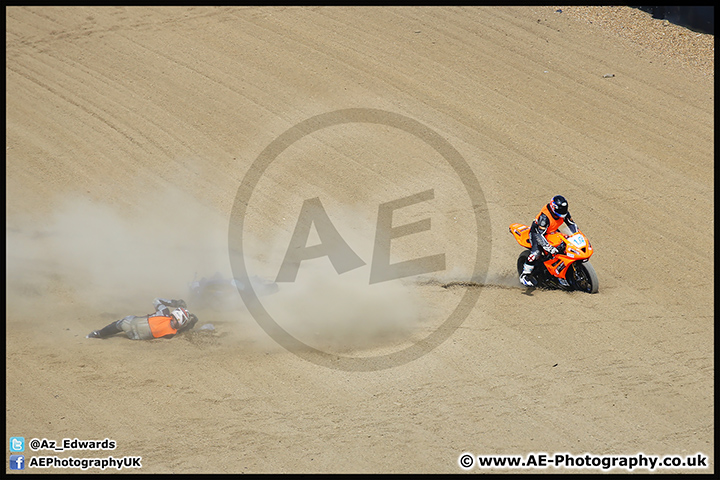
526	275
106	331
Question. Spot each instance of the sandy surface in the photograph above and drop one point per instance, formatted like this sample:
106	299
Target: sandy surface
671	43
130	130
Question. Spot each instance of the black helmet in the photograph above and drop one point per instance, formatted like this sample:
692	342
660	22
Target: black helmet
559	205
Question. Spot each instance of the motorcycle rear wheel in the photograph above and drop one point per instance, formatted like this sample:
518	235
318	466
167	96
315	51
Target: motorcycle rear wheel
521	261
536	275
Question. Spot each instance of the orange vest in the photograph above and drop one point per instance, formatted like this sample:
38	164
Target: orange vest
160	326
555	223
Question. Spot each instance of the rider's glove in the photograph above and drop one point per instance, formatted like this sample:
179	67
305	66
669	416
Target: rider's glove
177	303
553	250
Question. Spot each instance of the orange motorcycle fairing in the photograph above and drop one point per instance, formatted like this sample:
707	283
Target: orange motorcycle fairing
573	248
521	233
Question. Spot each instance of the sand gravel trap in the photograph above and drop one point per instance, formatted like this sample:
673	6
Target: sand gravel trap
130	130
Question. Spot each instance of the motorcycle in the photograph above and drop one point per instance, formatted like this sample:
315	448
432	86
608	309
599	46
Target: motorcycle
569	269
218	292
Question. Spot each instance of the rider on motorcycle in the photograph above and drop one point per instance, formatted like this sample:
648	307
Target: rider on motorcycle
549	220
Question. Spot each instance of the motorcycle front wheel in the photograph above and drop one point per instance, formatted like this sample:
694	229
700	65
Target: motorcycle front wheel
584	277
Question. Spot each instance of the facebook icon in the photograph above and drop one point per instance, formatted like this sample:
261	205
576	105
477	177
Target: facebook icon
17	462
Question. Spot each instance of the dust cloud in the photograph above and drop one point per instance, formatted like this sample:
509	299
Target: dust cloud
87	252
344	312
338	312
113	261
